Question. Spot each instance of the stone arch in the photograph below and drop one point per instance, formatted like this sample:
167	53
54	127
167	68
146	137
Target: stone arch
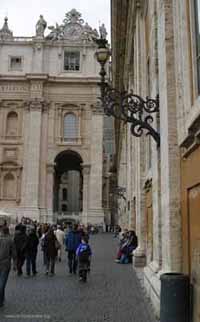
12	124
68	178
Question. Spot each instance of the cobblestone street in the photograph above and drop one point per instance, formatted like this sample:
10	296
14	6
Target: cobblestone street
112	293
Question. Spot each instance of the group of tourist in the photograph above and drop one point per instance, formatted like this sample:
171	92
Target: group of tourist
23	248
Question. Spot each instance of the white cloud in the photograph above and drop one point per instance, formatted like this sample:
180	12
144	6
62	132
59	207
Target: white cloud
23	14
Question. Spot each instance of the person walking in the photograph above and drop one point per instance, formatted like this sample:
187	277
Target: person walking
51	251
72	241
83	254
20	240
7	252
60	235
31	252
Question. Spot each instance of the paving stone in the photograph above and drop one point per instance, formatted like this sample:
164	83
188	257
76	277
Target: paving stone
112	293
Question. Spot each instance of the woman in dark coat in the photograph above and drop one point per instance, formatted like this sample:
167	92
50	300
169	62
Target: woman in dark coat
50	250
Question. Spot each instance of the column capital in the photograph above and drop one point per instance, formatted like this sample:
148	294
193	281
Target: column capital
50	167
97	108
86	169
37	104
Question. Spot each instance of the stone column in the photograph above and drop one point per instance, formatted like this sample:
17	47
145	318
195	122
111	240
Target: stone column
31	162
96	214
49	193
139	258
86	193
43	162
169	149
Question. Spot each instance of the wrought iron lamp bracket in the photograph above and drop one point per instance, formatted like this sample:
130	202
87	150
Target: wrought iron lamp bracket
131	108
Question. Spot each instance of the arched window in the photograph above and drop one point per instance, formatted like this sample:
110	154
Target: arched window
64	207
64	194
9	187
70	127
12	124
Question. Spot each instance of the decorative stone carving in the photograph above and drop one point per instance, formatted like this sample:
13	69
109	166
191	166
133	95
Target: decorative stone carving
40	27
56	32
50	167
86	169
73	29
37	104
73	16
97	108
5	32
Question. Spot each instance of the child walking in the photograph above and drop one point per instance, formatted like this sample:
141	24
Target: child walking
83	254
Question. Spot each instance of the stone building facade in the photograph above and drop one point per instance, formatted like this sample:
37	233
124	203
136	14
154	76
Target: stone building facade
51	124
155	50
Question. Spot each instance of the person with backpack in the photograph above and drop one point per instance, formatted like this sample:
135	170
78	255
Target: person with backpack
83	254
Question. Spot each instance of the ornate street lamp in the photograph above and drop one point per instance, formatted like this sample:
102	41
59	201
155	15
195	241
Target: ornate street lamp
125	106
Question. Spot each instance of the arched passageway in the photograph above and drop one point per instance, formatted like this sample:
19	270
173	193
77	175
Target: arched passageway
68	183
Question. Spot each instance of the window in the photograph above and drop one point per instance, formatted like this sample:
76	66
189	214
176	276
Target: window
71	61
70	127
15	63
9	187
197	23
64	208
12	124
64	194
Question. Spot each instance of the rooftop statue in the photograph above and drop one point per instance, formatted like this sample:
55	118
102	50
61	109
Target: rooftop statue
56	32
102	31
40	27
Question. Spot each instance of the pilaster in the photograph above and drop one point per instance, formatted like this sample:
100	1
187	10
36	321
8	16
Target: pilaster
86	192
49	193
169	150
96	165
31	169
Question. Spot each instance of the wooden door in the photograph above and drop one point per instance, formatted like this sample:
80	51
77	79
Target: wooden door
190	177
194	246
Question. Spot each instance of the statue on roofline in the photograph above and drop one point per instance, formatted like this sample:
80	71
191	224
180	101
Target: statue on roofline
102	31
40	27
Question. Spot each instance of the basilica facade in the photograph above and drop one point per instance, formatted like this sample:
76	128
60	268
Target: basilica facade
51	133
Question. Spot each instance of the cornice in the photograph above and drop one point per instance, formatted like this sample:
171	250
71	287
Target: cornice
39	77
50	79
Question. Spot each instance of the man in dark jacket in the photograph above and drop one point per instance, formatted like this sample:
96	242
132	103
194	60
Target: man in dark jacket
7	251
31	252
20	241
72	241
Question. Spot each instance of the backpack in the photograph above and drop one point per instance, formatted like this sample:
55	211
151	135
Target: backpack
84	255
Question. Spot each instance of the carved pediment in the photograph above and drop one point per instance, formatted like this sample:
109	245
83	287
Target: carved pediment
73	29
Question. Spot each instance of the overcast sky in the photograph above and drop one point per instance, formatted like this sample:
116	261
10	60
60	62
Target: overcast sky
23	14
